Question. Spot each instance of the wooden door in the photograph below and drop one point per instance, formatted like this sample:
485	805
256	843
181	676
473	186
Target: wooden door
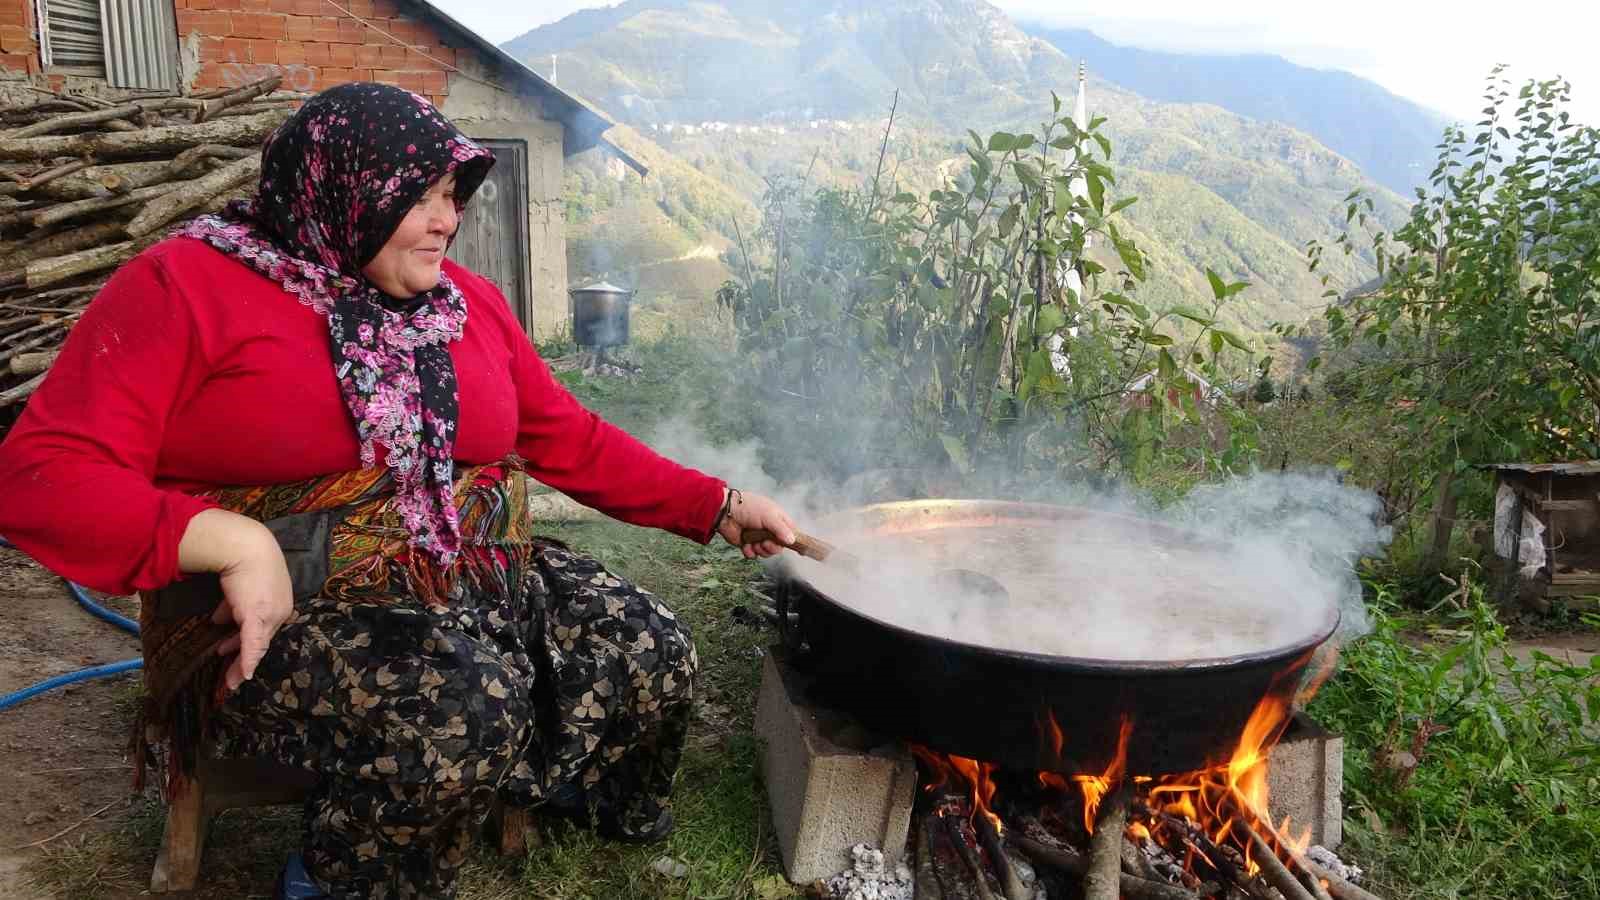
493	238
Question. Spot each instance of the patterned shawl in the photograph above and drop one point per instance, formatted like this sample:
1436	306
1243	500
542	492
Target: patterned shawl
336	180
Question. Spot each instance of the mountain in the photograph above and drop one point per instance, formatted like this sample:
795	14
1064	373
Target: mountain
1392	139
744	90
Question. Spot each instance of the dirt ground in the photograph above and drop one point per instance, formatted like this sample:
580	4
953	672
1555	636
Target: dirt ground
61	754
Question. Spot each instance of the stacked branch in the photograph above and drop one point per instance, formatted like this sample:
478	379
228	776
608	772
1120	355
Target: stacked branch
86	184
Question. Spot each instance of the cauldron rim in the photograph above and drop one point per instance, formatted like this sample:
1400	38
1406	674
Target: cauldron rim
1097	665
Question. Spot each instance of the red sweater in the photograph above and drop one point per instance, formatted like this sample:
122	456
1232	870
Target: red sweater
191	371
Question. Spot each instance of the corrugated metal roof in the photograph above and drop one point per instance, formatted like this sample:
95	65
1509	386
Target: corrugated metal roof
1585	467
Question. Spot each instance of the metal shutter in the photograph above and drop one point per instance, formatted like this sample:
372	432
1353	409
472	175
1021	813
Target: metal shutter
71	31
141	44
133	42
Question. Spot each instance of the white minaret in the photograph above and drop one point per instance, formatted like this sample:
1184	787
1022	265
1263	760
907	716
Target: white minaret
552	68
1070	279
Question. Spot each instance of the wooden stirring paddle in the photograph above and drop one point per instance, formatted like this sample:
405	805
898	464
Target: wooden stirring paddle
806	545
965	581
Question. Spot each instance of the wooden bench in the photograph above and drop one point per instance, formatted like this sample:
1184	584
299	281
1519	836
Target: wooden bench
220	784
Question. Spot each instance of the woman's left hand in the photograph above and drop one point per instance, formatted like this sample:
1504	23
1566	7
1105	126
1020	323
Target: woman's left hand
749	510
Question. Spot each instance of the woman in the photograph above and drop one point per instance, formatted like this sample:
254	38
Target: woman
387	619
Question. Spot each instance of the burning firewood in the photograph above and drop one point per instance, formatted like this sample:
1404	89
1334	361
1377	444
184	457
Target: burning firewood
1105	846
1132	887
1010	882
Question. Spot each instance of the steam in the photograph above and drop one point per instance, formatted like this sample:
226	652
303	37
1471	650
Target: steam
1254	564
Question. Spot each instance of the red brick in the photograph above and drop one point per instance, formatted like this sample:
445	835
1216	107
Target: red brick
423	58
272	26
206	22
14	15
311	8
435	83
228	5
235	50
14	62
407	31
326	29
202	4
369	56
342	55
208	78
411	81
15	39
331	76
316	53
211	50
394	56
353	32
362	8
264	52
255	5
299	28
385	9
445	55
291	53
361	74
321	29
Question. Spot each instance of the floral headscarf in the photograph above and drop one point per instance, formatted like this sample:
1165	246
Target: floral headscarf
336	180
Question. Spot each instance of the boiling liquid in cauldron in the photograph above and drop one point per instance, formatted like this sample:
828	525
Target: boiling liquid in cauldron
1110	592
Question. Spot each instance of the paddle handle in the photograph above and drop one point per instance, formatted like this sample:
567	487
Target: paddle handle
804	544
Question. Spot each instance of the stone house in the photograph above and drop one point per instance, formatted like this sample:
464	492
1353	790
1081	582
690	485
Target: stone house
514	232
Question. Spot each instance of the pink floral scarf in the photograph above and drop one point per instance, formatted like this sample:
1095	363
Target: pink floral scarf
336	181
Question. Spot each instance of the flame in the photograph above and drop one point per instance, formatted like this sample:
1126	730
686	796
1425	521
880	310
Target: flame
1220	804
978	777
1094	787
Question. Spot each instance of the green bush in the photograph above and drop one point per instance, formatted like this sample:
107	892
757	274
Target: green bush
1469	772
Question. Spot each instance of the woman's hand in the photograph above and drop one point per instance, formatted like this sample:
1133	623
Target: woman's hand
750	510
257	594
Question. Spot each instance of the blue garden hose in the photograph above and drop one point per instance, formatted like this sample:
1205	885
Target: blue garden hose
100	612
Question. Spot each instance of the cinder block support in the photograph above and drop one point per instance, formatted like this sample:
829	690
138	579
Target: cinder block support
1305	778
829	785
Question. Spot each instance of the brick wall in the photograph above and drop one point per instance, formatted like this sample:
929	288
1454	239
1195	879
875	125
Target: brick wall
18	50
228	43
313	44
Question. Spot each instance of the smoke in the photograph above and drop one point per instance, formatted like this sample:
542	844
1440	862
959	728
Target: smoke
1253	564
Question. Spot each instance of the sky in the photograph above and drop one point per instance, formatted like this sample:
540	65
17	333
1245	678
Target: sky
1435	53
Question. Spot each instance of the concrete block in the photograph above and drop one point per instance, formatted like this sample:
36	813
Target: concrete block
1305	778
831	784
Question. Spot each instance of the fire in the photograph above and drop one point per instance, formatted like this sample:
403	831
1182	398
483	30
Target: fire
1094	787
1193	814
978	777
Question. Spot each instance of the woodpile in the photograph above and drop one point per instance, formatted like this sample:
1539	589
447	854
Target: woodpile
87	183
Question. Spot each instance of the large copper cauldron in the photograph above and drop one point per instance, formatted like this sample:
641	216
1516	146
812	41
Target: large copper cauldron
993	704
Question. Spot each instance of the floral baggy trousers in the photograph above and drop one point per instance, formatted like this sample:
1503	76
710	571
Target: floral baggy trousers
416	719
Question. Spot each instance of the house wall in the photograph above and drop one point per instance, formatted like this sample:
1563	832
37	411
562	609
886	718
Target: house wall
230	43
19	52
484	110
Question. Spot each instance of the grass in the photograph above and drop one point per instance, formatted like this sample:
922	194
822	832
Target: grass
1468	773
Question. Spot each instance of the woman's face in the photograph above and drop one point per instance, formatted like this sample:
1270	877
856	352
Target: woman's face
409	263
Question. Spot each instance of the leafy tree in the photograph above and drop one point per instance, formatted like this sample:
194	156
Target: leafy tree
991	322
1486	324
